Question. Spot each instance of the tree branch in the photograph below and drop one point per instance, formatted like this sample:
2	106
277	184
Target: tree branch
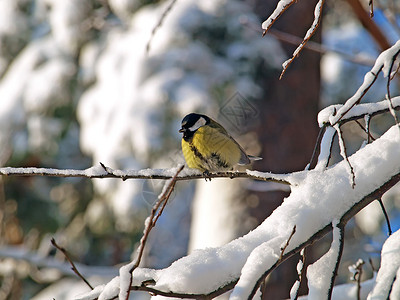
73	267
343	221
106	172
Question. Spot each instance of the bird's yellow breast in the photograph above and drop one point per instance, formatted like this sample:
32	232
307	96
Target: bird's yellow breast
210	150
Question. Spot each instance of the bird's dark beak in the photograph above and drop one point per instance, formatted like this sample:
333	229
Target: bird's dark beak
181	130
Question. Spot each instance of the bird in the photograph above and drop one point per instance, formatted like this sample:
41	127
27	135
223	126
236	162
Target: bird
208	147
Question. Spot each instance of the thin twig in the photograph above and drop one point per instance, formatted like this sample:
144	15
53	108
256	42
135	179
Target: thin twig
386	215
389	98
151	222
366	130
158	25
344	154
316	147
287	242
338	259
73	267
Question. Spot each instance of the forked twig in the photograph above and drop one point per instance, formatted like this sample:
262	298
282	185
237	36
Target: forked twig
73	267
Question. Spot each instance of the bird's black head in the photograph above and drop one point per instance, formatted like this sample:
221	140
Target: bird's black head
191	123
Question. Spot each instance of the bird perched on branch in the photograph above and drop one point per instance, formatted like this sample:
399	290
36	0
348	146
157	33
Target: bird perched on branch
208	147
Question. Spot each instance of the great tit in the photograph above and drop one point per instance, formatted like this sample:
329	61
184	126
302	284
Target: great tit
208	147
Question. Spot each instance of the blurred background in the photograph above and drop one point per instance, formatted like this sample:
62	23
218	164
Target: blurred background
83	82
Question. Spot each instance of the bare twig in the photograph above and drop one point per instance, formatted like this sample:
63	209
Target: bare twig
386	215
73	267
366	130
317	146
338	259
159	24
150	223
287	242
344	154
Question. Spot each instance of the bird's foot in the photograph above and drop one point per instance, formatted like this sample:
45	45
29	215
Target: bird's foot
206	175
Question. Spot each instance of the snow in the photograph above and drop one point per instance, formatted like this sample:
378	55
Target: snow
318	199
383	62
309	33
294	289
280	7
361	110
390	266
348	291
325	148
319	273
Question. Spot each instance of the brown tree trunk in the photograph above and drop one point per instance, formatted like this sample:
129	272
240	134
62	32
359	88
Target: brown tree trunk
288	126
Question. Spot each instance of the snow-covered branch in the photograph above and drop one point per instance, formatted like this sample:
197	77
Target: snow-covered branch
318	198
384	63
102	171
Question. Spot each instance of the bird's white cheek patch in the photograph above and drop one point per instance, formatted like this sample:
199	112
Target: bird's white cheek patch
200	122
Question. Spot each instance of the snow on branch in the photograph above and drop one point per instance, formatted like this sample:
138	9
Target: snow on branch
321	274
388	278
281	7
318	198
102	171
384	63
